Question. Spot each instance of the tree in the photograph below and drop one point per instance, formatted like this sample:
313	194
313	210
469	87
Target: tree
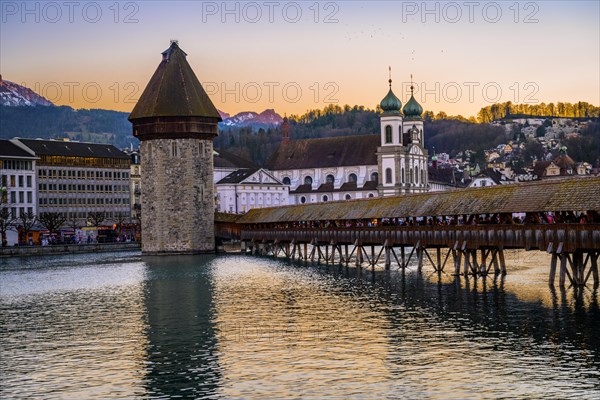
121	218
52	221
6	219
26	222
96	218
540	131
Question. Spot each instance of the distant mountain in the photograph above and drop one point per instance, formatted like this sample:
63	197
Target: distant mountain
13	95
266	119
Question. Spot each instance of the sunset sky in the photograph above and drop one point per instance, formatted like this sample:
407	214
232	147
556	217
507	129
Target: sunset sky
294	56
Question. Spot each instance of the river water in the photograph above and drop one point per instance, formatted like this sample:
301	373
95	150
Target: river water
122	326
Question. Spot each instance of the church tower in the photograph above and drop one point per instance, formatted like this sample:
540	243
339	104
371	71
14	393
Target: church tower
176	123
286	130
415	163
391	144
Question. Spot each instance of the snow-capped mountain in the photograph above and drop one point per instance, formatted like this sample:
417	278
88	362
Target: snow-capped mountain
265	119
12	95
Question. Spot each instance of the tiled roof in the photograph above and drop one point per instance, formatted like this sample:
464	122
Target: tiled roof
237	176
9	149
174	91
562	195
225	159
75	149
329	187
325	152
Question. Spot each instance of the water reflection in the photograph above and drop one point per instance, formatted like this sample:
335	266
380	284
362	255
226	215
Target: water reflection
117	326
181	357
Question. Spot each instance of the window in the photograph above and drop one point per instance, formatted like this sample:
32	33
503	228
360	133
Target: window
423	176
29	197
348	197
375	177
388	175
308	180
287	181
352	178
21	184
29	181
417	174
174	149
329	179
325	198
388	134
371	195
302	199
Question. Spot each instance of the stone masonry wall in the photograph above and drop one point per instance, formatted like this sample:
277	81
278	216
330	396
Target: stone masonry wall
177	196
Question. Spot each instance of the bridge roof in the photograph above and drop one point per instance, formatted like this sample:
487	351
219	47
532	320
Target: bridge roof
575	194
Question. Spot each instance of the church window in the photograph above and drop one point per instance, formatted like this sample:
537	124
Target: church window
329	179
423	176
308	180
375	177
352	178
348	197
302	199
388	134
287	181
371	195
388	175
412	178
325	198
403	176
416	174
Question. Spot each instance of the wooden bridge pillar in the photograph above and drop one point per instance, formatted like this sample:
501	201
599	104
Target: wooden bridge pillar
388	260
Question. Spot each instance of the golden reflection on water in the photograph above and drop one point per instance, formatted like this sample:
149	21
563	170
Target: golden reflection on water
284	333
64	342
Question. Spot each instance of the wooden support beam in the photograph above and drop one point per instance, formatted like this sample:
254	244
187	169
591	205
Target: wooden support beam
438	252
552	269
445	260
435	268
501	260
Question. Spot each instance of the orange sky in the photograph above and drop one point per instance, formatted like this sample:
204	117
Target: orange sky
296	56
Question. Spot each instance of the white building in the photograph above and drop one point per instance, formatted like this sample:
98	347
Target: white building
246	189
353	167
17	184
80	180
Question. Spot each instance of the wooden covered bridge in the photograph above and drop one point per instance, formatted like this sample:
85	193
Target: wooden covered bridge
474	226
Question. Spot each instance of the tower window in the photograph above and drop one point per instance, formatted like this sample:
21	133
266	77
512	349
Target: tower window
388	175
416	174
388	134
352	178
174	149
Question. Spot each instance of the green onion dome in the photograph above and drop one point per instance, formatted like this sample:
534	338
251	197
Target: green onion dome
391	103
413	109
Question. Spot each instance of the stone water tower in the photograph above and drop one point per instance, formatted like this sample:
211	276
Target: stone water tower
176	123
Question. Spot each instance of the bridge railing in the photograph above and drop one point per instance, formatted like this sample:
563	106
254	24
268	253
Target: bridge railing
570	236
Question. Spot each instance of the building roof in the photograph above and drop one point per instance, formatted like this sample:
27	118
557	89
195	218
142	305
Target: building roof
329	187
338	151
174	91
562	195
237	176
10	150
225	159
74	149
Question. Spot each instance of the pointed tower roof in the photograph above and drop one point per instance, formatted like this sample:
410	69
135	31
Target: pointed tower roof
174	91
391	104
412	109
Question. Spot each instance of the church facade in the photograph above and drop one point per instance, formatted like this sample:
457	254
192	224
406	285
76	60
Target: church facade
354	167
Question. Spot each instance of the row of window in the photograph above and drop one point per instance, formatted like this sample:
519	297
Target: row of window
108	215
17	165
16	181
61	173
410	176
325	198
352	178
21	196
21	211
63	187
102	201
86	162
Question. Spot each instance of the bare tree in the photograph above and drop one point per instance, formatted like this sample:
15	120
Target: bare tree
7	222
121	218
52	221
26	222
96	218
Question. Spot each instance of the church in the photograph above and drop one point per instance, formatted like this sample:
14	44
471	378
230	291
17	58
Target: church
355	167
